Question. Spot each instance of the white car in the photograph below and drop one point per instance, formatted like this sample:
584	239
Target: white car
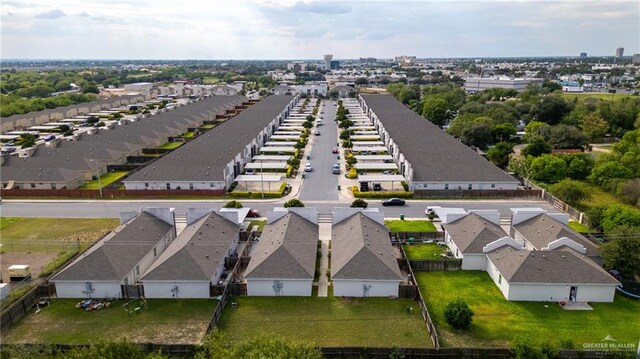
307	167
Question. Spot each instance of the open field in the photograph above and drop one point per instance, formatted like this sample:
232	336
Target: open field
105	180
424	251
410	226
51	234
596	95
165	321
497	321
328	321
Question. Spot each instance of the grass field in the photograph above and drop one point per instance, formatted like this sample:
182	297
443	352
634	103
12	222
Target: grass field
43	234
497	321
410	226
579	227
331	321
165	320
105	179
597	95
424	251
171	145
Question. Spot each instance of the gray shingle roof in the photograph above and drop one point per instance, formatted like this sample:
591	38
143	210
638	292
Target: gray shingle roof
287	250
197	252
543	229
361	249
472	232
113	144
553	267
205	158
113	257
433	154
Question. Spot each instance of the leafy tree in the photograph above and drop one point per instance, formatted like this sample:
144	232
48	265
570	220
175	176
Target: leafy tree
464	121
535	129
458	314
499	154
615	216
345	124
28	140
594	126
569	191
548	168
345	134
294	202
91	88
622	251
503	131
603	173
359	203
551	109
233	204
435	110
361	81
579	168
478	135
564	136
537	147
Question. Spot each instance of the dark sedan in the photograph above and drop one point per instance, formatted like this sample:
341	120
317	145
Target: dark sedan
393	202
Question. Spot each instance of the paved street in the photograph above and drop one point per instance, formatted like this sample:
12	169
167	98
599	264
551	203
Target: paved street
96	209
320	184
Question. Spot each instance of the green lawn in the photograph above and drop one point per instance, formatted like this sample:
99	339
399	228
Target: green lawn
424	251
259	223
579	227
188	134
31	234
497	321
410	226
598	95
331	321
165	320
171	145
105	180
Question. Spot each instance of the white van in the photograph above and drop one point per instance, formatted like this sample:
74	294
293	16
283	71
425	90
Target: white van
319	122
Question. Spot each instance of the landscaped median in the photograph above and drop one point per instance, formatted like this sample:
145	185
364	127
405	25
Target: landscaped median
380	194
328	322
497	322
257	194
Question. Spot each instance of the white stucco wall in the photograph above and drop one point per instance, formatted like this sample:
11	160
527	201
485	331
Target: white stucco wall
560	292
153	289
423	185
355	288
75	289
474	261
218	185
495	275
290	287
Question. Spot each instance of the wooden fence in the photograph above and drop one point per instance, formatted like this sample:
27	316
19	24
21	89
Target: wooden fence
18	309
109	193
557	203
433	334
435	264
419	236
476	194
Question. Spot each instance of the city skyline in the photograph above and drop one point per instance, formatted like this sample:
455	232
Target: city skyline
75	29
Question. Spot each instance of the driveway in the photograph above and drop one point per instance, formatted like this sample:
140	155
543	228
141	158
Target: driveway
320	184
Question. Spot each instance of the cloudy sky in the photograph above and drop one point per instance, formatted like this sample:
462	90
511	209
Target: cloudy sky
263	29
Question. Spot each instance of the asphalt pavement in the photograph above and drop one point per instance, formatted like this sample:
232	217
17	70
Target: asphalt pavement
320	184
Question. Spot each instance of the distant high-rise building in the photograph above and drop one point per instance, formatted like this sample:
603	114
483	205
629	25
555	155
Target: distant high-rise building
583	55
620	52
405	60
636	58
327	61
368	60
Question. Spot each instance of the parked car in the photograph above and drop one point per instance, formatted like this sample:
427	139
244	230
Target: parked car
335	169
287	189
317	132
319	123
250	171
393	202
377	187
253	213
364	186
389	172
335	150
307	167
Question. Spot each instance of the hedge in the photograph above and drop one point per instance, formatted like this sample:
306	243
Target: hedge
247	194
380	194
289	170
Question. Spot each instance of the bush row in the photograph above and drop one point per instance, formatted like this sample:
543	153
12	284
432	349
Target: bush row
380	194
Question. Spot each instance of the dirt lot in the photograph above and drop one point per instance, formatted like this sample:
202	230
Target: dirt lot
36	261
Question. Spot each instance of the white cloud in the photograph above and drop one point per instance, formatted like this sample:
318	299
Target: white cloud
51	14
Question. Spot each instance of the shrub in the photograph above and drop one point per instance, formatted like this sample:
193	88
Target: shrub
629	192
569	191
380	194
352	174
458	314
359	203
233	204
294	202
289	171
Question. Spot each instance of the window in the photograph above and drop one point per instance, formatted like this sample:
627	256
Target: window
146	185
493	185
168	185
211	185
190	185
53	186
499	278
470	186
446	186
33	185
155	251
